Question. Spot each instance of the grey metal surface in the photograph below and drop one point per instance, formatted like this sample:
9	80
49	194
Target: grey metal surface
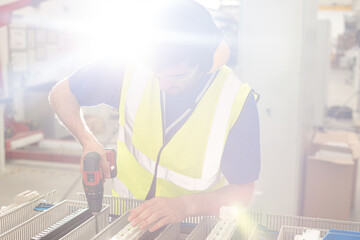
172	231
200	232
113	228
88	229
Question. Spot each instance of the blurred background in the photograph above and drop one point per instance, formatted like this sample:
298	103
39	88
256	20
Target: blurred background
302	57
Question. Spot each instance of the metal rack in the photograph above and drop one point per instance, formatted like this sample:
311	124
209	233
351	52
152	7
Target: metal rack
119	206
18	215
282	227
38	223
25	223
12	218
172	231
251	226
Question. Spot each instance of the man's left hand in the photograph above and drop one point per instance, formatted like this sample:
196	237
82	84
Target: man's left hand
158	212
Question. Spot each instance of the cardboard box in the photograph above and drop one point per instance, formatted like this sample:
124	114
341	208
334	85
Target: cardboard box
328	185
341	141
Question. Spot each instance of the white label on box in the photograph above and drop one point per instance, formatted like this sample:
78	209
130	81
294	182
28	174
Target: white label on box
338	144
333	155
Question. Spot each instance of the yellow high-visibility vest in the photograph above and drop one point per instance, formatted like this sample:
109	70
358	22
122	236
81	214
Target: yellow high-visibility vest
190	161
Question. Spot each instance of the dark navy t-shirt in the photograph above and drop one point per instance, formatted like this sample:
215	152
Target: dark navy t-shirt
100	82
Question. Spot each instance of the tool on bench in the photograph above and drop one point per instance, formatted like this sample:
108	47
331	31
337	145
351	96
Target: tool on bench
93	180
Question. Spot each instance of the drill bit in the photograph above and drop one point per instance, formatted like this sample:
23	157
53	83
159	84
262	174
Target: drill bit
96	222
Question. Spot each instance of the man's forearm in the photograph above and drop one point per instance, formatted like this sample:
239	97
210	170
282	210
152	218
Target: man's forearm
67	110
209	203
160	211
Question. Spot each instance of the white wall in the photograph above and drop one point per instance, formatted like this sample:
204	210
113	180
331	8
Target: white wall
4	55
337	21
3	65
277	40
54	66
323	49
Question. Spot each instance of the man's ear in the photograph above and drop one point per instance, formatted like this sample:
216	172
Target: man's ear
220	57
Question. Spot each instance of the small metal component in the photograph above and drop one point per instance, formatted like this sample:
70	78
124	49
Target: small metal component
129	233
42	207
223	230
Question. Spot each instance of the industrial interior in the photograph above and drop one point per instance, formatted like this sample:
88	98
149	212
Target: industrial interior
74	167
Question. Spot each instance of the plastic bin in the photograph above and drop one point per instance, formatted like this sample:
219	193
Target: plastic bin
335	234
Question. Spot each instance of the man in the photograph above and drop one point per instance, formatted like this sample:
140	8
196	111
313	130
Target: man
188	129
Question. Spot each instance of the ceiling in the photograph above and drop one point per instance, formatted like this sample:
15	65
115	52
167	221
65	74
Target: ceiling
335	2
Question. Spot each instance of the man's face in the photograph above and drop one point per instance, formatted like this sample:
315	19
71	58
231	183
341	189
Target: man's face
174	80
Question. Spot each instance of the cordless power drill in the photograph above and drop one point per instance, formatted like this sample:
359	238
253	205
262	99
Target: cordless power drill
93	180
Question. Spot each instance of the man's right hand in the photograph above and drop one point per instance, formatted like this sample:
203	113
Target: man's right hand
95	146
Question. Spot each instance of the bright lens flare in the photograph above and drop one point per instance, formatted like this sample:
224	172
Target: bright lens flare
119	29
246	221
246	224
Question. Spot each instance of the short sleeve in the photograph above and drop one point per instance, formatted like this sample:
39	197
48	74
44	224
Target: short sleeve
240	163
97	82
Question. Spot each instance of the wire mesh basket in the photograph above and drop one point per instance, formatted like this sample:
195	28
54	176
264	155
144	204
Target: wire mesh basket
23	212
171	231
38	223
18	215
111	230
119	206
268	226
89	229
251	225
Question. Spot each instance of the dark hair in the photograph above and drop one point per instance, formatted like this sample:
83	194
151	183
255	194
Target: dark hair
187	33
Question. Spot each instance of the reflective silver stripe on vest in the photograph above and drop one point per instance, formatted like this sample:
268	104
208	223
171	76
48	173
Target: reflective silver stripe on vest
164	173
121	189
134	94
217	136
211	169
169	175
